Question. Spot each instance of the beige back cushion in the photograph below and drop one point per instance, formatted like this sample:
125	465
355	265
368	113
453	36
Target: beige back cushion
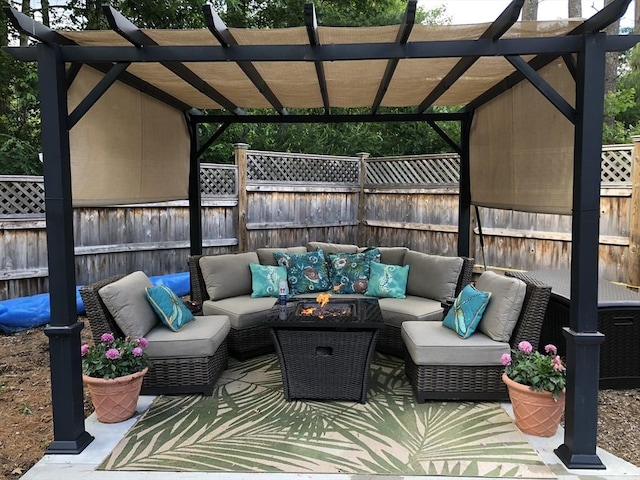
328	248
505	304
432	276
227	275
265	254
127	302
389	255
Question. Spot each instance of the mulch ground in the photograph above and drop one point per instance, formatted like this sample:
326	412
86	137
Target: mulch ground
26	428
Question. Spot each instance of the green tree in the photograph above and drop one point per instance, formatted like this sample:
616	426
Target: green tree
623	105
19	114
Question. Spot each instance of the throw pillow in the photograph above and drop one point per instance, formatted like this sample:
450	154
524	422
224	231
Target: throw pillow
350	271
466	312
126	301
265	280
168	306
265	254
306	272
387	281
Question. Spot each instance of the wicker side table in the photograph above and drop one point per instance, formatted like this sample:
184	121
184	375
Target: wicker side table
618	320
325	359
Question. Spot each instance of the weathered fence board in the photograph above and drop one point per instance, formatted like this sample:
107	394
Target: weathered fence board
290	199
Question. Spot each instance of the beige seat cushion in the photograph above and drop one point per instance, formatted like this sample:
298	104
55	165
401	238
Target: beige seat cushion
328	248
398	310
431	343
127	302
200	338
227	275
265	255
505	304
243	311
432	276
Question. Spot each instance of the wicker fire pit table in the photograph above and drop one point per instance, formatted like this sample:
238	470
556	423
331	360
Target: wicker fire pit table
325	353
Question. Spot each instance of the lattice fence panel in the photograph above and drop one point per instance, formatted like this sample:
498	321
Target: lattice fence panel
616	164
277	167
218	180
21	196
414	171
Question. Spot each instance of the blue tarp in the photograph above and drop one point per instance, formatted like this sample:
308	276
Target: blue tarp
23	313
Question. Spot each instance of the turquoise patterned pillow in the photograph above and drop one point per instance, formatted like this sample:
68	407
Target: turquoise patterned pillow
350	271
168	306
466	312
306	272
388	281
265	280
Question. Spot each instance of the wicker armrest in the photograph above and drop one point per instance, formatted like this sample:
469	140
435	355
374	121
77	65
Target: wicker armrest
196	279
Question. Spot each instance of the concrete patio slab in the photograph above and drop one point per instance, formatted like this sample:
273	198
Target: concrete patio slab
83	466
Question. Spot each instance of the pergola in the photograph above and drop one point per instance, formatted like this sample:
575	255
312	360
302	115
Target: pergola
120	112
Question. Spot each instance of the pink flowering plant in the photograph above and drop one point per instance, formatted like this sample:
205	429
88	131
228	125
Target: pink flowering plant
542	372
114	357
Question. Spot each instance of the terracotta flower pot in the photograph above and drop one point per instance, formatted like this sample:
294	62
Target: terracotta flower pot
115	400
536	413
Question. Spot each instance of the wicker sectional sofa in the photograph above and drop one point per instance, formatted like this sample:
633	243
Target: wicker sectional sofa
222	285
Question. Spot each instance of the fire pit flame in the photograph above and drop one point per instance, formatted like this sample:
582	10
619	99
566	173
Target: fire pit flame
325	309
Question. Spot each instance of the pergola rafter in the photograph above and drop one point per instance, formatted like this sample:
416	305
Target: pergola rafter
134	35
311	22
404	30
219	30
496	30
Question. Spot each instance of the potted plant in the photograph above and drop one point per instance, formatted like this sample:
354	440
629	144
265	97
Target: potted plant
536	383
113	370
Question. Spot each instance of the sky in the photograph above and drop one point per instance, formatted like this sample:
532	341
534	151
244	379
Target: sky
479	11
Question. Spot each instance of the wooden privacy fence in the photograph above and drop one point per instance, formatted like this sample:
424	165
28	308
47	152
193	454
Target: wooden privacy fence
284	199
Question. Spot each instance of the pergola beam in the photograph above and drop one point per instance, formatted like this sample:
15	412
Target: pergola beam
219	30
498	28
346	118
130	32
404	30
549	48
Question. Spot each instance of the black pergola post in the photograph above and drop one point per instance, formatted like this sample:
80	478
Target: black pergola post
195	209
464	199
583	339
69	435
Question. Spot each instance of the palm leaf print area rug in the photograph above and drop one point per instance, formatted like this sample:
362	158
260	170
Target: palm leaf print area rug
248	426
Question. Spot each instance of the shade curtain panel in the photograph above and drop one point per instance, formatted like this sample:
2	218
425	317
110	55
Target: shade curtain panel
129	148
521	148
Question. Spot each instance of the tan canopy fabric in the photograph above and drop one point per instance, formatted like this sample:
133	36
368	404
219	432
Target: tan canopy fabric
531	171
349	83
128	148
521	148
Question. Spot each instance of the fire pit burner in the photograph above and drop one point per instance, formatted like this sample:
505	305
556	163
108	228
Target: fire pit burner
328	310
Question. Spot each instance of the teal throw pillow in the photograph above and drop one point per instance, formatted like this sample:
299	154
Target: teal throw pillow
306	272
350	271
168	306
265	280
387	281
466	312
